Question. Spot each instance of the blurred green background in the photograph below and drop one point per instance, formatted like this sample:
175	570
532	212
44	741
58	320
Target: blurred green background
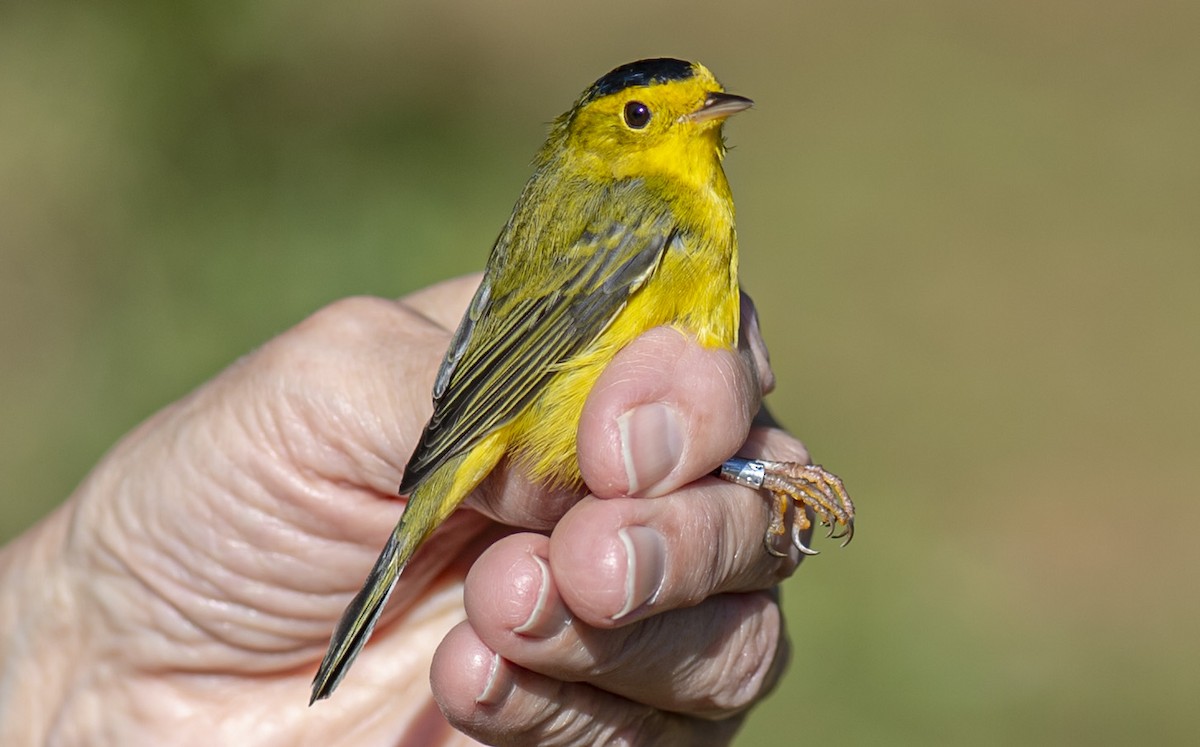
971	228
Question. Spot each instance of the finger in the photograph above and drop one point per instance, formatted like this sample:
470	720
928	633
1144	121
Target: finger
617	560
497	702
511	497
664	412
710	660
751	345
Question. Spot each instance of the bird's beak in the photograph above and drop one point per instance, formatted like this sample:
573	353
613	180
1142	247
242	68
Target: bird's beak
720	106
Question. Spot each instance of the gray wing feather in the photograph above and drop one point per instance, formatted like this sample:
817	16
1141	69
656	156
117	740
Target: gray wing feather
505	350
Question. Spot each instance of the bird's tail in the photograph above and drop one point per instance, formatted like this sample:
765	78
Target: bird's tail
428	506
363	612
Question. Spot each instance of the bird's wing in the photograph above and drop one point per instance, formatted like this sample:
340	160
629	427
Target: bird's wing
525	321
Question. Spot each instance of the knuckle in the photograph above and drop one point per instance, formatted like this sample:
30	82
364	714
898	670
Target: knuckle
654	728
585	716
345	314
356	318
745	667
769	441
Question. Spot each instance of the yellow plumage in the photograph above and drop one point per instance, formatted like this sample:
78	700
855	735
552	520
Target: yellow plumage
626	224
543	437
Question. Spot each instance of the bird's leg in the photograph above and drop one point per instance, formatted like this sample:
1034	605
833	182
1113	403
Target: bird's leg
798	486
777	513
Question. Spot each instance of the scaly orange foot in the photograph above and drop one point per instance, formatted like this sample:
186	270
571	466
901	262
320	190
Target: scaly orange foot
802	486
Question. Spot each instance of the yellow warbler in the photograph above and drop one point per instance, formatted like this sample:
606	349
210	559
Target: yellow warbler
626	224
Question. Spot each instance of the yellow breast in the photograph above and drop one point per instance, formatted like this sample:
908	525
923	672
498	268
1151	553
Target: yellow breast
694	290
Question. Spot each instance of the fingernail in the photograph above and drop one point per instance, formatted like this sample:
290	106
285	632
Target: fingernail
498	683
651	444
549	615
645	567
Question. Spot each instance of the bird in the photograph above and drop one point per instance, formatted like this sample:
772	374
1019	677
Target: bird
626	224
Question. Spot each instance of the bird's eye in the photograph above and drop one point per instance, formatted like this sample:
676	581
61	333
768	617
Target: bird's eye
637	115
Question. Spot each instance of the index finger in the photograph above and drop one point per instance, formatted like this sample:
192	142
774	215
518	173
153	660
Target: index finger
625	559
665	412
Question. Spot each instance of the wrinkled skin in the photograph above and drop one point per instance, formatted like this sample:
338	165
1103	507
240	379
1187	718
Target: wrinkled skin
185	592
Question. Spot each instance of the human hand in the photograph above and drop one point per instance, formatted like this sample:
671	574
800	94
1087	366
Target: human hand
644	620
186	590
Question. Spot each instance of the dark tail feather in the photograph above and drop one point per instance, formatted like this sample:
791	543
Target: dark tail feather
359	619
428	506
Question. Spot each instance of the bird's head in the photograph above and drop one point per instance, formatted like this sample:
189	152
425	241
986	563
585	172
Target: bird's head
655	116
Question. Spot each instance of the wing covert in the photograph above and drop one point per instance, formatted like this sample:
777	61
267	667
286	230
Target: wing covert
514	336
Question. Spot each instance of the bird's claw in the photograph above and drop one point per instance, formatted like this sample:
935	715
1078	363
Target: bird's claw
799	487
